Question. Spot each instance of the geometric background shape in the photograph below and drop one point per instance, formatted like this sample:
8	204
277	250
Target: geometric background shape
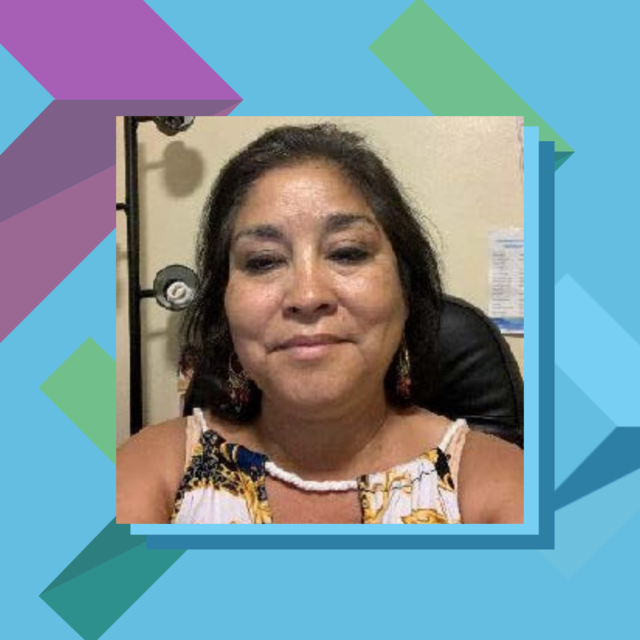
84	129
448	77
617	456
585	526
24	102
105	579
83	388
72	126
597	354
106	50
44	243
549	57
259	50
580	427
60	486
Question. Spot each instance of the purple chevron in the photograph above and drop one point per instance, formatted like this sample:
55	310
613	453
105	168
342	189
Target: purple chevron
72	140
228	110
42	245
106	49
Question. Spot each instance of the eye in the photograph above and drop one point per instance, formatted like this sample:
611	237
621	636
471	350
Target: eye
349	255
262	263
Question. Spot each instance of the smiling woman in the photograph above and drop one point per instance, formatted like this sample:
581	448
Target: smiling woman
327	305
311	335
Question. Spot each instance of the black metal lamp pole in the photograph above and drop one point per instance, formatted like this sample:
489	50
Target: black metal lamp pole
133	255
169	125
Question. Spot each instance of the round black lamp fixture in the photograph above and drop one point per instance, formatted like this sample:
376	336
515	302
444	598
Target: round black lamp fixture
175	287
171	125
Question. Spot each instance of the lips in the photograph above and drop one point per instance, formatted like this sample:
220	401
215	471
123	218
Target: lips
317	340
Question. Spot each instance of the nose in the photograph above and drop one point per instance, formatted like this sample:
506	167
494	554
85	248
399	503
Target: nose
310	293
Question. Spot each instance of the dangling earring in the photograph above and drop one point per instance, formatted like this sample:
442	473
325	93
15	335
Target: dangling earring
404	372
238	386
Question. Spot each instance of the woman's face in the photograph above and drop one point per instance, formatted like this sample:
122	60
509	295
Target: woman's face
314	299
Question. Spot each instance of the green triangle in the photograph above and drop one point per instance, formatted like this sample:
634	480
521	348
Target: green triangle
83	387
561	157
446	75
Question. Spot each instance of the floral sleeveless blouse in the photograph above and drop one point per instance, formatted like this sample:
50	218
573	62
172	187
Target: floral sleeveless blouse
224	483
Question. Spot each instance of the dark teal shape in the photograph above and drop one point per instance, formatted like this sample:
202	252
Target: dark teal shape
617	456
105	579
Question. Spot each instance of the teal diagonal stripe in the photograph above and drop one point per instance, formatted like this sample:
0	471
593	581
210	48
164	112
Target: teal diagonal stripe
83	387
108	576
615	458
448	77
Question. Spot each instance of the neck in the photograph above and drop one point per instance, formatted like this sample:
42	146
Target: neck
341	443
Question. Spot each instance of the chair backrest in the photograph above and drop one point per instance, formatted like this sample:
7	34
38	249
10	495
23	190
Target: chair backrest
478	377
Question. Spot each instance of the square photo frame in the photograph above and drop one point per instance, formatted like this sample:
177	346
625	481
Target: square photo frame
537	531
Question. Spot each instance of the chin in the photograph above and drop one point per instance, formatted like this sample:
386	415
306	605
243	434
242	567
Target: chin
306	393
307	407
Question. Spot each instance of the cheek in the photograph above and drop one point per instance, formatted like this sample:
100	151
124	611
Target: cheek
248	309
379	300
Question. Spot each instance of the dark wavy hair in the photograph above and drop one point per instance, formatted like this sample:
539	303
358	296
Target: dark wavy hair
207	347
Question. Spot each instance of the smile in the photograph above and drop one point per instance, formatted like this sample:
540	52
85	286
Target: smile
309	347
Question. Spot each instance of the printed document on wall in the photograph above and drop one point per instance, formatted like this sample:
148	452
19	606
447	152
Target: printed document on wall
506	280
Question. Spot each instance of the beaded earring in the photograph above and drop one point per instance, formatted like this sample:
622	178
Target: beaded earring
404	372
238	384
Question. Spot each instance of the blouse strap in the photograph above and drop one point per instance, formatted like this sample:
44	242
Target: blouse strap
196	425
453	444
450	434
200	420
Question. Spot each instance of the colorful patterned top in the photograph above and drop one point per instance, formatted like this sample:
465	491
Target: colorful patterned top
224	483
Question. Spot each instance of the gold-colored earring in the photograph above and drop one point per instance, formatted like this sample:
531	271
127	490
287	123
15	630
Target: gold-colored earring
404	372
238	384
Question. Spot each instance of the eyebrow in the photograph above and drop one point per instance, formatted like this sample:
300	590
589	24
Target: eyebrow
261	232
333	223
339	221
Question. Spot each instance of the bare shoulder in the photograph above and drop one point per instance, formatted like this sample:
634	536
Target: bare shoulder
164	436
149	468
421	429
491	480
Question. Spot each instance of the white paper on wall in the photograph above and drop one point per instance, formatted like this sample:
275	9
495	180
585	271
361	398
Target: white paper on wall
506	280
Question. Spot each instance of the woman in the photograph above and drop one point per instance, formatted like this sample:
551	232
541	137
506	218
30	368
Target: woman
310	346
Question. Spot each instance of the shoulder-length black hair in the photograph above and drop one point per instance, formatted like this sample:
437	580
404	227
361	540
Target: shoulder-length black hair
207	345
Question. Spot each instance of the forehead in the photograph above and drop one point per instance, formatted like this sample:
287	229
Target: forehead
302	193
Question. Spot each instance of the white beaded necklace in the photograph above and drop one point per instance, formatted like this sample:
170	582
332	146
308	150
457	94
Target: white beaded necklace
319	486
276	472
325	486
341	485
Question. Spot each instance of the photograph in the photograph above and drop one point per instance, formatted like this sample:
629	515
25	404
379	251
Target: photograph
320	320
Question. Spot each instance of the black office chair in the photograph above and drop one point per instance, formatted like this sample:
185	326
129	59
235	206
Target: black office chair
477	377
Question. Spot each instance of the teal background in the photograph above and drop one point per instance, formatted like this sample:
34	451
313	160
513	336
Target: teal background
576	65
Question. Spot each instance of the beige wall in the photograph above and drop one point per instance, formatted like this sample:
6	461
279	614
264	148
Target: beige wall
465	174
